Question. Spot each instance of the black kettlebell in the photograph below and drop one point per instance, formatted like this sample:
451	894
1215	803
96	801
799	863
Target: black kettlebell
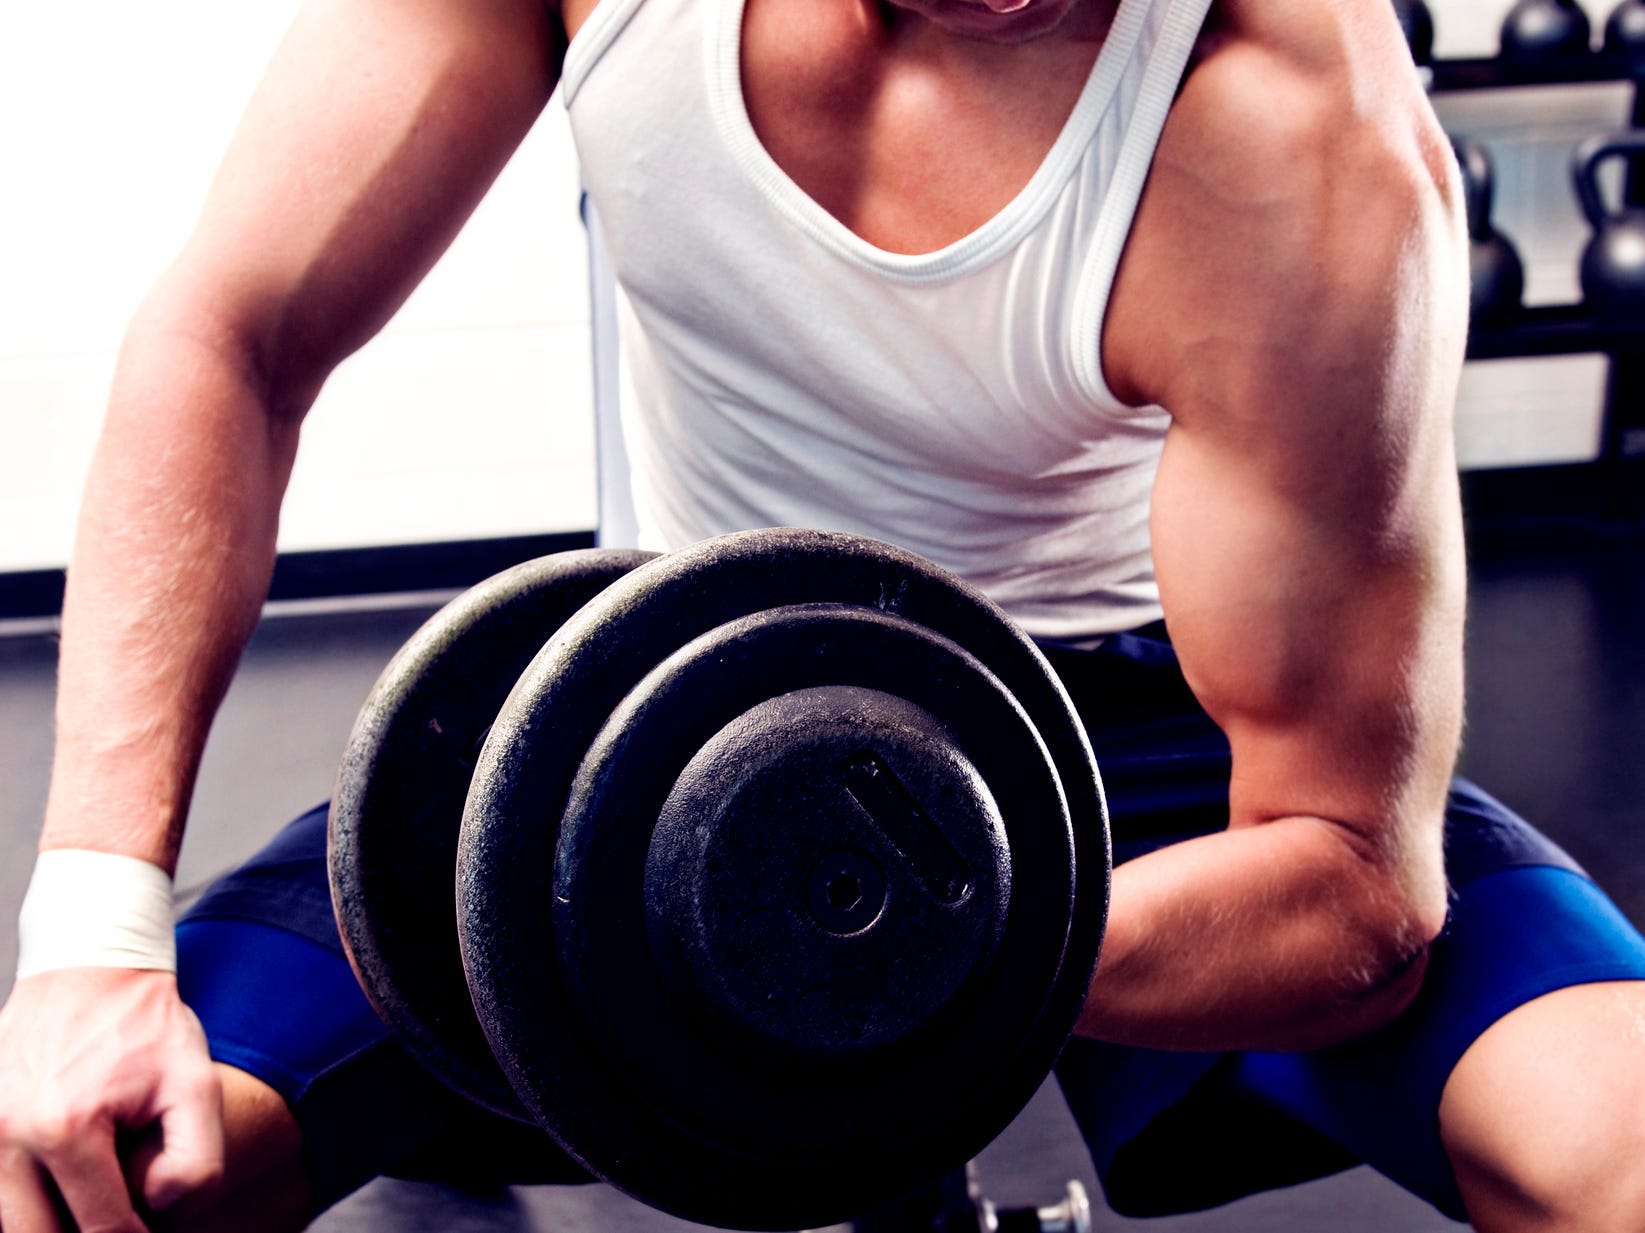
1542	29
1497	278
1416	22
1625	30
1613	263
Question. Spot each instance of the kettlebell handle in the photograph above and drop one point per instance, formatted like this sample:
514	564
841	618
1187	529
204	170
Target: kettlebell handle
1585	168
1478	184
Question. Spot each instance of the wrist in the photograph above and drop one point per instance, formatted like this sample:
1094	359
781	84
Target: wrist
95	909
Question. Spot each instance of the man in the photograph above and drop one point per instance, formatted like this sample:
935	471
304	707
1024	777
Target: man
1063	293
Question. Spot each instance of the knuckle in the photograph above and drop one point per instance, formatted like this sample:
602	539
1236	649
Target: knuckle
13	1159
18	1116
64	1130
53	1134
205	1086
204	1174
21	1130
196	1171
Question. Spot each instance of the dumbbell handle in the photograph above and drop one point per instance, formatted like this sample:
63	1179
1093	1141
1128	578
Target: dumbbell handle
1072	1215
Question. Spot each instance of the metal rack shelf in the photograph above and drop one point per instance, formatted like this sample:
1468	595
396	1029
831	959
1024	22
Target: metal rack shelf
1555	329
1499	74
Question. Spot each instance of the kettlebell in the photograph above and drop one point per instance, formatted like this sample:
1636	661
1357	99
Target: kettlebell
1542	29
1625	31
1613	263
1496	275
1416	22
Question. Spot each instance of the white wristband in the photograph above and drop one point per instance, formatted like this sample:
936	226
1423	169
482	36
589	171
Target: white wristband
95	910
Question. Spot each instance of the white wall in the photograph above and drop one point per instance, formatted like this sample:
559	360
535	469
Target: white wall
469	417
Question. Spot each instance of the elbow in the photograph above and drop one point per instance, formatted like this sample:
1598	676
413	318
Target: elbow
1389	985
1402	910
196	322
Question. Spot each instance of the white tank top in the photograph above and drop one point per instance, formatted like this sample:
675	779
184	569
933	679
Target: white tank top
781	371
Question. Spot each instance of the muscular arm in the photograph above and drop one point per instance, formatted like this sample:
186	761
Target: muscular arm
379	125
1307	542
377	129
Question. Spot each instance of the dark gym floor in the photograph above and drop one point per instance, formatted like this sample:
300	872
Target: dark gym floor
1556	723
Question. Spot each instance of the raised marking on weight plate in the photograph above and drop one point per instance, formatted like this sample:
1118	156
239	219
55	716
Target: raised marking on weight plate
889	805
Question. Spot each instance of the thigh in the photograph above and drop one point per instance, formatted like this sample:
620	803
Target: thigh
1526	927
1544	1116
261	964
263	1188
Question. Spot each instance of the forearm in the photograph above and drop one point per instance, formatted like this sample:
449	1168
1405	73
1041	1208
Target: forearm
172	558
1284	935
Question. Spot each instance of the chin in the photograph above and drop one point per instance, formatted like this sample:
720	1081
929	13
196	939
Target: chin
973	19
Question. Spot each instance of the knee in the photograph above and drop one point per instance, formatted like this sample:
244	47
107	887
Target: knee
1544	1117
1560	1188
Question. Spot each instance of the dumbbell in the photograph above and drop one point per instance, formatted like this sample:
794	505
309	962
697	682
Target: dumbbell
767	876
956	1204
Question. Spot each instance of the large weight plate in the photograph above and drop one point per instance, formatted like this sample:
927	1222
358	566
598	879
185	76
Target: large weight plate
899	1108
392	835
579	1066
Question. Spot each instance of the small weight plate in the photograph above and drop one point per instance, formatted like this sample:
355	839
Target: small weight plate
588	1084
392	835
828	879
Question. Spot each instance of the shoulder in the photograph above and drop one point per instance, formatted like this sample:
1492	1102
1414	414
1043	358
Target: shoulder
1300	177
1316	90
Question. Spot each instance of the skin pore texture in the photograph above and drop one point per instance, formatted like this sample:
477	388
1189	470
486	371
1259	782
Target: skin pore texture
1294	290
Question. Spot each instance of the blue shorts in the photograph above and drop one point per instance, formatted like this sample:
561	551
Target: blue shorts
260	961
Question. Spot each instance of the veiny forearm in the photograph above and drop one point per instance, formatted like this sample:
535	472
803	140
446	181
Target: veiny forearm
341	188
171	563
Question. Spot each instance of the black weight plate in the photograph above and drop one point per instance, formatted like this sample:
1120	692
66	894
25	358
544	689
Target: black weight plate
392	835
523	782
878	1116
827	881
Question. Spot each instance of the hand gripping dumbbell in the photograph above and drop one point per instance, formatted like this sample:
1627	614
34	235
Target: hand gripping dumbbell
767	876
